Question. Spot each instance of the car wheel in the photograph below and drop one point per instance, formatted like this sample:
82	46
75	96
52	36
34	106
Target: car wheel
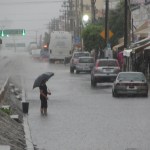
114	94
146	95
93	83
71	70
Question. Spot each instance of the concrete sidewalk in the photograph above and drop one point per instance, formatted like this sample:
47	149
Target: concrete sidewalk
19	128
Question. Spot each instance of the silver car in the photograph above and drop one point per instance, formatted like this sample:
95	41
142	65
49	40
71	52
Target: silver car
105	70
75	59
130	83
85	64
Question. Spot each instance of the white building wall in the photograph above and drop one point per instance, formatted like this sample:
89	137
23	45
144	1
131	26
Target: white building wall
141	14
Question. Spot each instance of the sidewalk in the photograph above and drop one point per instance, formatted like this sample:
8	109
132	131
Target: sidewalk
13	135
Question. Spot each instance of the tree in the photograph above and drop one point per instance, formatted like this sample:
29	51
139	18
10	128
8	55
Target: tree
116	23
91	37
91	33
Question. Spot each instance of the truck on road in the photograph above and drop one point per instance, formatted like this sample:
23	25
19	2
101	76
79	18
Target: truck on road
60	46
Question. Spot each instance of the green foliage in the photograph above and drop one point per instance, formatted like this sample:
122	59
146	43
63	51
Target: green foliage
116	22
91	33
7	111
91	37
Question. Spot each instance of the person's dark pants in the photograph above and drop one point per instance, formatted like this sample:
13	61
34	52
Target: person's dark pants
43	103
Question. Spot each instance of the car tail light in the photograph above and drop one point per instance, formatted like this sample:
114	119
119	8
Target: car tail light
143	84
75	61
97	65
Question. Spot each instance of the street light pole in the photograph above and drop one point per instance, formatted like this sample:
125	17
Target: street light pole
106	22
81	24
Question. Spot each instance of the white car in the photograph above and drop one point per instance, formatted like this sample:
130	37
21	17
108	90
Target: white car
85	64
36	53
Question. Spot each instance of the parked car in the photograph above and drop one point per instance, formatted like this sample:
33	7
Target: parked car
130	83
75	59
105	70
85	64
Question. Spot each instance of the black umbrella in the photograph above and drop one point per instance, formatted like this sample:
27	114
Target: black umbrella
43	77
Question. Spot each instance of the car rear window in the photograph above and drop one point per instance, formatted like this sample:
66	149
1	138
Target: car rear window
104	63
77	55
131	76
86	60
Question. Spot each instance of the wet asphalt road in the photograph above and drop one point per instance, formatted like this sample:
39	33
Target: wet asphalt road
80	117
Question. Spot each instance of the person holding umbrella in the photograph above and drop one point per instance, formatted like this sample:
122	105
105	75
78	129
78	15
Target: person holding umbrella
40	82
43	97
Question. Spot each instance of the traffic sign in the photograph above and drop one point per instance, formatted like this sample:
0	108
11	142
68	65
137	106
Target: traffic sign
8	32
103	34
76	40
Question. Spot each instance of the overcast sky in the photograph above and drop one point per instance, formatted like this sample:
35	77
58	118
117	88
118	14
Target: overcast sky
31	15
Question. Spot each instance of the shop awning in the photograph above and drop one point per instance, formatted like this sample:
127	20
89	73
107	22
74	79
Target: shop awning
141	47
147	48
116	47
144	31
146	25
141	42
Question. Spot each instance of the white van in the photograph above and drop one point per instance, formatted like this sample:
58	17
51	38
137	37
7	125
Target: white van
60	45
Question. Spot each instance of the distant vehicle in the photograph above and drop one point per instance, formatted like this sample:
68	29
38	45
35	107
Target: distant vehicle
44	52
75	59
130	83
105	70
36	53
85	64
32	46
60	46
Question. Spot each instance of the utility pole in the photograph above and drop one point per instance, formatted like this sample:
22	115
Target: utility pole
77	19
71	15
81	25
65	11
93	10
106	22
127	23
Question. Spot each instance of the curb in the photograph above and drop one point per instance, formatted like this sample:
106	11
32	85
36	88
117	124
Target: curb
3	89
29	143
28	138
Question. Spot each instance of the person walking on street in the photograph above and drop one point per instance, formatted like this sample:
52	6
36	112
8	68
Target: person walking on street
43	97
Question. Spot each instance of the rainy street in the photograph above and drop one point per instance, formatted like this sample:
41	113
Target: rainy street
79	117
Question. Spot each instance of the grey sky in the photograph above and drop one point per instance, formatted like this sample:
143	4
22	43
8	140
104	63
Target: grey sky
32	15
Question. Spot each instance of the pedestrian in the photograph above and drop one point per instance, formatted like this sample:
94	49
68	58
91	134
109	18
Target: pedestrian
120	60
43	97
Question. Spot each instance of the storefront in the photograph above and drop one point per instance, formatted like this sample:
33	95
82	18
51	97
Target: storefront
140	61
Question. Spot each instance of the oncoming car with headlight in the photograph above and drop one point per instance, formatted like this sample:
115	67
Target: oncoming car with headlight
130	83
